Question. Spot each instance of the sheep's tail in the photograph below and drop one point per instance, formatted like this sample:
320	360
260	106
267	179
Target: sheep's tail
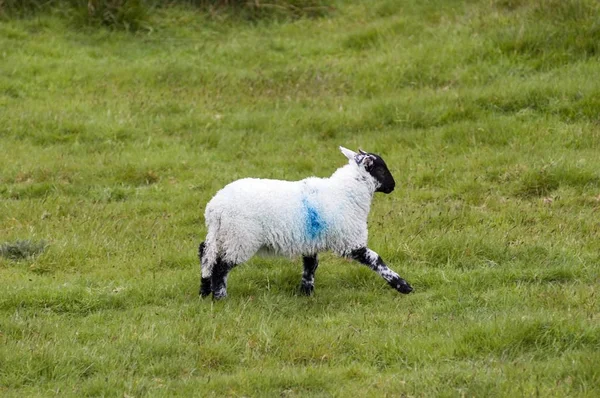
208	250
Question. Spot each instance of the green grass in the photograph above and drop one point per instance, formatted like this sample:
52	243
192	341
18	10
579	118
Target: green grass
487	113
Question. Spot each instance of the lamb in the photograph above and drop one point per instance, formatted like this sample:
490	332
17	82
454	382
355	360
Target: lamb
296	218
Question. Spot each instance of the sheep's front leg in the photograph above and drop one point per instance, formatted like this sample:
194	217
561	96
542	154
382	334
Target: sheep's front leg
371	259
308	276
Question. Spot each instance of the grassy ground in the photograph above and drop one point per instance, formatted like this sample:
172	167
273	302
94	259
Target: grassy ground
487	112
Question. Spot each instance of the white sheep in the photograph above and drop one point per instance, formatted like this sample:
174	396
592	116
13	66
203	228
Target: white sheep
295	218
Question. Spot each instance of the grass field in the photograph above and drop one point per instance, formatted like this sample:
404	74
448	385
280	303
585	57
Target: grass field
112	142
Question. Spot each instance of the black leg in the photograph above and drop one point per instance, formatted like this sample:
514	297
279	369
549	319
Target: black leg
205	288
219	279
308	276
371	259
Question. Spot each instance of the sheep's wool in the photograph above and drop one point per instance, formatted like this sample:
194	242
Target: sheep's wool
289	218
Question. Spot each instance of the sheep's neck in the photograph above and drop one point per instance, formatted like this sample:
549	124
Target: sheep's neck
358	188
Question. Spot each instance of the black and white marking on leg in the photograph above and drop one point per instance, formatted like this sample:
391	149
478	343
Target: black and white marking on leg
219	279
307	286
371	259
205	284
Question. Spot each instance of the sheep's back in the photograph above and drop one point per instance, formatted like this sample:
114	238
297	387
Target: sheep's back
257	198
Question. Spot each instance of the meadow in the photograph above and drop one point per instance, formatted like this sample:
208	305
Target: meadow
113	139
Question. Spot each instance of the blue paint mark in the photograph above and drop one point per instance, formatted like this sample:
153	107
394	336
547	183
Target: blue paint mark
314	222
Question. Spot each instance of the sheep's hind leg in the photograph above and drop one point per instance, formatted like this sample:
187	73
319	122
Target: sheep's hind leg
371	259
308	276
205	285
219	279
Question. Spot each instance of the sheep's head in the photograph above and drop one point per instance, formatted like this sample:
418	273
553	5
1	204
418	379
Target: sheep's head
375	166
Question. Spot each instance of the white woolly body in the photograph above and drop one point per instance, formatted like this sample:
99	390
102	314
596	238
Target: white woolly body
289	218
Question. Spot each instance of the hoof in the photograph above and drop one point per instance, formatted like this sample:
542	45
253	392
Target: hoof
219	294
402	286
405	289
307	289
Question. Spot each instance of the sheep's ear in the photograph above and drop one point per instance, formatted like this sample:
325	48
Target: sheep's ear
351	155
367	161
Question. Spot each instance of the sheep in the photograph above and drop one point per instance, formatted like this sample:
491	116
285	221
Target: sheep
296	218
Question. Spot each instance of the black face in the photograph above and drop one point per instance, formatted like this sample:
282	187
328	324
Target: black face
378	169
